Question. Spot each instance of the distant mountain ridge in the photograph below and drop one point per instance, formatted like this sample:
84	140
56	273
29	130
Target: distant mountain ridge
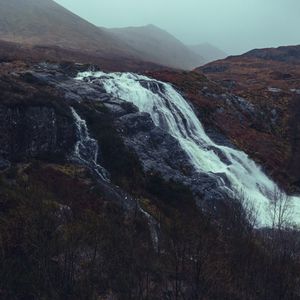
283	53
159	46
208	52
45	22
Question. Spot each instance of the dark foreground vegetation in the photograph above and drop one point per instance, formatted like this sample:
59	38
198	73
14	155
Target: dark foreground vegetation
60	239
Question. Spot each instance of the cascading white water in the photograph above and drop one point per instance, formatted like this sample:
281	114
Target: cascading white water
86	148
86	152
170	111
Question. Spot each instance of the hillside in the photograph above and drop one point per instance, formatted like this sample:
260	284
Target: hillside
35	53
44	22
157	45
270	80
94	205
208	52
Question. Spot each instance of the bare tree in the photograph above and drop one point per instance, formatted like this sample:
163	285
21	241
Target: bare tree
250	211
280	210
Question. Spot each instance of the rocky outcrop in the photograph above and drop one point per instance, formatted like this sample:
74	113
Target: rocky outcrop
73	118
38	132
150	144
45	132
38	122
160	153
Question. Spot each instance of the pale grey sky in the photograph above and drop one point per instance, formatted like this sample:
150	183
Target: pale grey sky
235	26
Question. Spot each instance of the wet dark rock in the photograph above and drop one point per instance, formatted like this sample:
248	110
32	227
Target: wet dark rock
35	132
115	109
155	87
162	154
240	104
4	164
43	132
137	123
36	78
119	108
219	138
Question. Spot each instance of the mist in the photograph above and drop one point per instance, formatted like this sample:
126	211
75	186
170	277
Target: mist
235	26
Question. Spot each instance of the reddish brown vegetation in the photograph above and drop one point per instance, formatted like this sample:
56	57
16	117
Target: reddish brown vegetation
270	135
269	80
33	54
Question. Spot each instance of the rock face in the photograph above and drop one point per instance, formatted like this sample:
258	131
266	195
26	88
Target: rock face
62	118
149	143
4	164
160	153
44	131
35	132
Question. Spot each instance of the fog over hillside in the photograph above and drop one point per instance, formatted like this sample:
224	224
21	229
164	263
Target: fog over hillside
44	22
235	26
159	46
208	52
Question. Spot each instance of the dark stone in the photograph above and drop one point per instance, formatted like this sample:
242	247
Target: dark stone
45	132
162	154
4	164
137	123
35	132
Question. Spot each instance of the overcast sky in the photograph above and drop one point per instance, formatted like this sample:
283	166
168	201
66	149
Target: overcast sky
235	26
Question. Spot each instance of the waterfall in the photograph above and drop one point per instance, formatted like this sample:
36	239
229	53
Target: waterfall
86	152
86	148
153	227
234	171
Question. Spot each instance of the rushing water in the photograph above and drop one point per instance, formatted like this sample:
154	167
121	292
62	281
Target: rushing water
170	111
86	152
86	148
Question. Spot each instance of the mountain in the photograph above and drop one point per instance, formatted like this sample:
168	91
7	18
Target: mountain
44	22
208	52
158	46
